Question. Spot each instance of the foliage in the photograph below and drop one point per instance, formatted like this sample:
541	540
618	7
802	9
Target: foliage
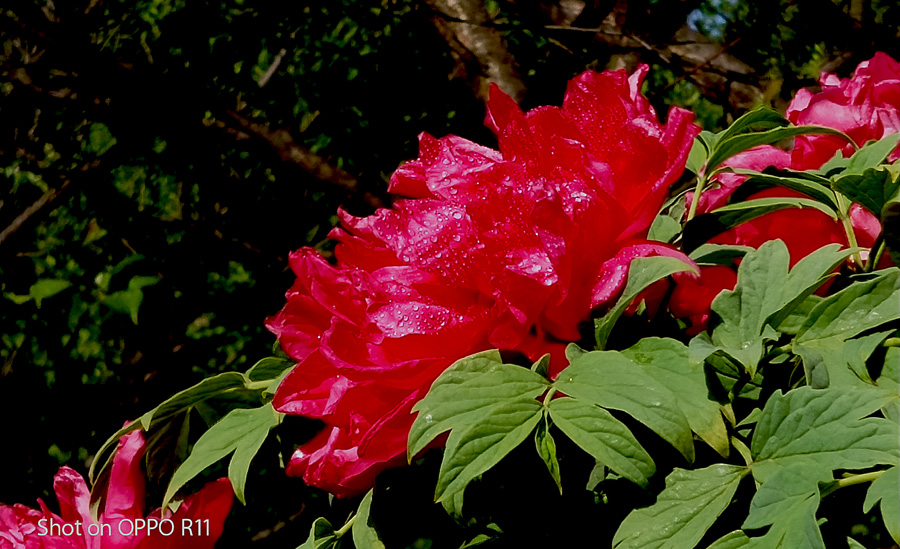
158	160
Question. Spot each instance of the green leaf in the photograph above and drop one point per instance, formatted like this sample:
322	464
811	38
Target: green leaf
664	229
719	254
604	437
227	382
474	449
889	381
687	507
241	432
796	527
871	155
546	448
731	540
790	486
100	139
643	272
887	489
757	181
269	368
321	536
726	148
853	544
825	426
666	361
697	157
703	227
758	119
364	534
872	189
467	392
611	380
129	301
765	294
859	307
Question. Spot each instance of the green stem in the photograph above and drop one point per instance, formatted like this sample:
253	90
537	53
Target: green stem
549	396
258	385
878	248
345	528
843	213
851	480
701	182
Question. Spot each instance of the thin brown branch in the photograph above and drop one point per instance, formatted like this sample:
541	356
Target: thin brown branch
289	151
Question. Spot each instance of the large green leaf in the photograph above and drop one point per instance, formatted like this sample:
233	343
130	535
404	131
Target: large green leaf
757	181
765	294
666	361
604	437
475	448
726	148
364	534
732	540
872	189
790	486
859	307
703	227
825	426
684	511
889	381
871	155
642	272
886	488
241	432
467	393
610	380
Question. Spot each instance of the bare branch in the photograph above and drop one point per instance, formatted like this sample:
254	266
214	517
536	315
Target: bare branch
464	24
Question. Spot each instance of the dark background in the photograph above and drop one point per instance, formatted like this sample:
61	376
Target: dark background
160	159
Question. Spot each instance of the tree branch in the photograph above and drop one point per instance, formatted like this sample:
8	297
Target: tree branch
464	25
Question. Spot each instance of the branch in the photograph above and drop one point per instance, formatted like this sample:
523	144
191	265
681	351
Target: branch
289	151
464	24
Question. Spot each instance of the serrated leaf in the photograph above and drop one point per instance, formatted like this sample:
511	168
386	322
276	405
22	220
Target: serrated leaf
604	437
546	448
687	507
321	535
886	488
824	425
642	272
364	534
796	528
766	293
726	148
666	361
474	449
610	380
703	227
790	486
859	307
241	432
466	393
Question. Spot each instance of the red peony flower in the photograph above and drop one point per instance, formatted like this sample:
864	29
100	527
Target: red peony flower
74	528
866	107
507	249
